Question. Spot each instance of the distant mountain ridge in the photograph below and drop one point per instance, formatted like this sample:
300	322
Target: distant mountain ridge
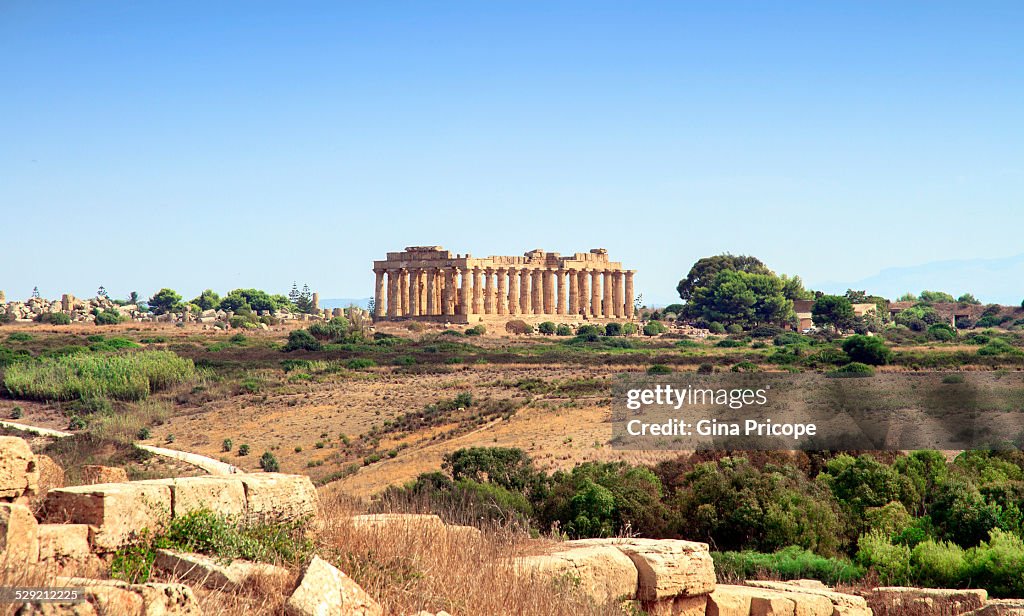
995	280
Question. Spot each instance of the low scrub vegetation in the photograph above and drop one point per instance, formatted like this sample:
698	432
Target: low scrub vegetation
86	376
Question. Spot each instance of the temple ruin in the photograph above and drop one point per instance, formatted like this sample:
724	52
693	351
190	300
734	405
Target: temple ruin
432	284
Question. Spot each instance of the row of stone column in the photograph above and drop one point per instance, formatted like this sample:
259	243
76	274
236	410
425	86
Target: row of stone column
411	292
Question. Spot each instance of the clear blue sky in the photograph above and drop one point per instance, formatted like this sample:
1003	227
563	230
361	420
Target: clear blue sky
227	144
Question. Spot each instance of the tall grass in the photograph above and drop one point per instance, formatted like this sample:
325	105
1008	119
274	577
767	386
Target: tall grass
119	377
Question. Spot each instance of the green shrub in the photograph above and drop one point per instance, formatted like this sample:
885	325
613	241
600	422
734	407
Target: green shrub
788	563
269	463
55	318
19	337
653	328
547	328
613	329
659	369
586	330
716	328
734	328
301	339
476	330
109	317
243	449
745	366
226	445
405	360
144	434
629	329
705	369
952	379
891	562
943	332
76	423
939	564
360	363
867	350
997	346
563	330
111	345
998	564
852	370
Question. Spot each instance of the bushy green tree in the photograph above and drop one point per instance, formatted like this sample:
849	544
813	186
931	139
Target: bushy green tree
164	301
547	328
833	311
742	298
704	271
207	300
931	297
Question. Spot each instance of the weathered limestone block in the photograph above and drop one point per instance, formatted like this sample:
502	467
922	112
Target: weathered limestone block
677	606
837	598
19	473
727	600
948	602
96	473
51	475
279	497
115	597
211	573
324	590
1000	607
62	542
403	521
116	512
602	572
223	495
667	567
19	536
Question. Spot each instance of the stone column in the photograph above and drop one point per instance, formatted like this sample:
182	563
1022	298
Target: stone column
560	281
617	294
525	300
414	292
316	302
448	293
477	289
378	294
628	300
464	292
403	292
549	290
393	303
489	290
502	298
583	278
513	290
595	293
537	291
606	307
574	298
431	287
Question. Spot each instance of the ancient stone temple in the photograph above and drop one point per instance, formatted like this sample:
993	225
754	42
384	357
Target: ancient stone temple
430	283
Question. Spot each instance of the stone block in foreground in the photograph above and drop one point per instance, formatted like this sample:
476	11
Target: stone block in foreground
212	573
116	512
19	536
19	473
667	567
324	590
602	572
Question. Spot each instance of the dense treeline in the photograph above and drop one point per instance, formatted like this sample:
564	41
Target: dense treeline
908	518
